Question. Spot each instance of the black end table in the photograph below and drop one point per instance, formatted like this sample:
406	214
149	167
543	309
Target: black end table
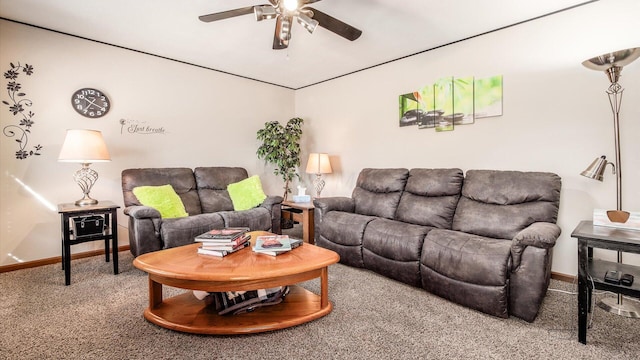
70	211
589	269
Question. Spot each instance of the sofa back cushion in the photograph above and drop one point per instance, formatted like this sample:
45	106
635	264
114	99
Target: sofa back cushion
430	197
378	191
181	179
212	186
499	204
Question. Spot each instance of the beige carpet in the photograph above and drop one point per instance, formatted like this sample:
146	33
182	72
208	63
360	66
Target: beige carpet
99	316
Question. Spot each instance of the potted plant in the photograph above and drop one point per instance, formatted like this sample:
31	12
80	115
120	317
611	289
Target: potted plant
281	147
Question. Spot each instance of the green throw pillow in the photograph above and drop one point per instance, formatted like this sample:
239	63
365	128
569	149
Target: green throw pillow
162	198
246	194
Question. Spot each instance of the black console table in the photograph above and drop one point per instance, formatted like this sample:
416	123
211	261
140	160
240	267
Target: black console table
589	237
68	212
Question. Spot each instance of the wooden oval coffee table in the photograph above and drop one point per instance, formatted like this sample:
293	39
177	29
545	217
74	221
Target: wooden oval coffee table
183	267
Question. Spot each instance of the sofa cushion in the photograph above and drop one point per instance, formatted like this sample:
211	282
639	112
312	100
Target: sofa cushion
212	186
467	257
392	248
430	197
344	228
247	193
162	198
499	204
181	179
394	239
378	191
182	231
342	232
258	218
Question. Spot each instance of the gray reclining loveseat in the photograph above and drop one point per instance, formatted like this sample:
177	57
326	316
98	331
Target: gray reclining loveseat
483	240
203	192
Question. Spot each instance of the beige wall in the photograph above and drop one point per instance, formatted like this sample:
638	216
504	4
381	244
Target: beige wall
556	118
210	119
556	114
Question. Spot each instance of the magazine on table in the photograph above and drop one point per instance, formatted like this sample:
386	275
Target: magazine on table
293	242
272	243
225	234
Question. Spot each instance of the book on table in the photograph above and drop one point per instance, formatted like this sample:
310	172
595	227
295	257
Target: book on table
221	253
227	245
275	244
222	235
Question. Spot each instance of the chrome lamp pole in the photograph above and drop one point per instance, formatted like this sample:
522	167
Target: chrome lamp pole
612	64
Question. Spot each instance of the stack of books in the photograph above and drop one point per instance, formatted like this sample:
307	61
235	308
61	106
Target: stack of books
222	242
275	244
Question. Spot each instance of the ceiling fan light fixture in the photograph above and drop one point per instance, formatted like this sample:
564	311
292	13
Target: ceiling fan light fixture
263	12
290	5
307	22
285	29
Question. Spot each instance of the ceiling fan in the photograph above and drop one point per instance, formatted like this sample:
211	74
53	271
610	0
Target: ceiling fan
284	11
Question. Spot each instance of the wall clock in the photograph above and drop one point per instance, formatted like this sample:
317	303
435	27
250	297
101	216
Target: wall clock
91	103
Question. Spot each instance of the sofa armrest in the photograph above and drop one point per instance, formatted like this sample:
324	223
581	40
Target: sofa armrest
141	212
274	205
540	234
144	229
270	201
326	204
336	203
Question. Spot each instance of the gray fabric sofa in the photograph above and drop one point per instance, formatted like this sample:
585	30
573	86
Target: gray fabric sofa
483	240
204	194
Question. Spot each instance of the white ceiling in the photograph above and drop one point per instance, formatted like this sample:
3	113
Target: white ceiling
391	29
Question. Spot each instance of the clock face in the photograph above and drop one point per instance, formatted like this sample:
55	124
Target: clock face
91	103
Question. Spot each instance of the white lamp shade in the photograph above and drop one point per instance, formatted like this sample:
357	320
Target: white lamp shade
84	146
319	164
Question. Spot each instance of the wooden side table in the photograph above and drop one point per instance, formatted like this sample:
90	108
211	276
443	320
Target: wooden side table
304	216
591	271
68	212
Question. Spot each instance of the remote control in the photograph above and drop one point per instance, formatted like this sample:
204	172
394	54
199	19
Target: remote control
613	277
626	279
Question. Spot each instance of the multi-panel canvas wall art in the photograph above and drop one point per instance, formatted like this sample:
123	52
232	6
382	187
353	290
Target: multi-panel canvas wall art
450	102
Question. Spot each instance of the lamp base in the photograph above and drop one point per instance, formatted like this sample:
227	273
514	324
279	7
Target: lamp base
86	200
318	184
616	306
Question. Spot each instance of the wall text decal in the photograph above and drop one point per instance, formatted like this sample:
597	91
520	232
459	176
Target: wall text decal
17	108
140	127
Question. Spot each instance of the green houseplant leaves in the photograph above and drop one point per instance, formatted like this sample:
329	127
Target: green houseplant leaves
281	148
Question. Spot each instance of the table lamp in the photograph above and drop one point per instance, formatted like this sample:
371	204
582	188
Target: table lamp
318	164
85	147
611	64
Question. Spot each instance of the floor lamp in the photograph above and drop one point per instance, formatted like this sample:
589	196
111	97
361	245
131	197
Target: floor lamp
612	64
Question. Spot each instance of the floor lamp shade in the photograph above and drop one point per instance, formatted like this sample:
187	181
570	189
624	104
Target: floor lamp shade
318	164
85	147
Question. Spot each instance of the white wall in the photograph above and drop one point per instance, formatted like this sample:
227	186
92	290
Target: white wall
210	120
556	118
556	114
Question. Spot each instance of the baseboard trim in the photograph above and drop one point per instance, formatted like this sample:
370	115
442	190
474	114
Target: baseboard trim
54	260
563	277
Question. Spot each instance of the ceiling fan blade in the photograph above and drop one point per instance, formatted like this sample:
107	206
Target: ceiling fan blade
278	44
226	14
334	25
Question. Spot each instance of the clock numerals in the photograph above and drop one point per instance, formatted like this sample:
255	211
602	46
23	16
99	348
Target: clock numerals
90	103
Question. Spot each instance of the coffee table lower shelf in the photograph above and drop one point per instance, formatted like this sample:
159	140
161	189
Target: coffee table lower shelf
187	314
